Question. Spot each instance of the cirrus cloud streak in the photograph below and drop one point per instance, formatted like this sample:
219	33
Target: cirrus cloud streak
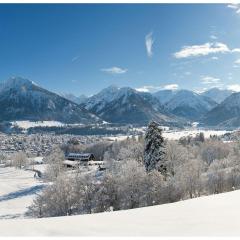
149	41
210	80
114	70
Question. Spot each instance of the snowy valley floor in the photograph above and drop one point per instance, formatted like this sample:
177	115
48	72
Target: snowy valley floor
216	215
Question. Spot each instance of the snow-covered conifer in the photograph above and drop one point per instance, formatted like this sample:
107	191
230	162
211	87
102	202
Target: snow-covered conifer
154	153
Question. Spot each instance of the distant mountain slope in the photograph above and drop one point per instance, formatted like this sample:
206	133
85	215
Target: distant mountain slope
226	113
76	99
21	99
164	96
126	105
190	105
216	94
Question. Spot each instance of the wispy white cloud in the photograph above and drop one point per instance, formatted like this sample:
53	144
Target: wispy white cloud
202	50
214	58
235	7
149	41
214	37
236	50
230	76
156	88
74	59
143	89
148	88
234	87
114	70
187	73
200	90
210	80
237	61
171	87
74	81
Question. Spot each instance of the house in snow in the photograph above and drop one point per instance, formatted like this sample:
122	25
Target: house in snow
83	157
74	160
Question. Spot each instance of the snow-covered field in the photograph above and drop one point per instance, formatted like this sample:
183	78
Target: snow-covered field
118	138
30	124
175	135
216	215
17	190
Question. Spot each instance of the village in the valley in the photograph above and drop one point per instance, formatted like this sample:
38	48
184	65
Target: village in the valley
35	145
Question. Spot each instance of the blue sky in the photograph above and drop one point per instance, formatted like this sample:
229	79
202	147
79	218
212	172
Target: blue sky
81	49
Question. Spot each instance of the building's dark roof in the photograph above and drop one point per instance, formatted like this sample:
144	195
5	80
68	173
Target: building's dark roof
80	155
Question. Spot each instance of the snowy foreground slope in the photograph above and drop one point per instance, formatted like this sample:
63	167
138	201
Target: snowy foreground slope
216	215
17	190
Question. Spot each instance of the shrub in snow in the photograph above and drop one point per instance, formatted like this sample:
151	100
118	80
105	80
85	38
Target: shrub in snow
132	184
214	150
189	179
55	164
19	160
85	193
57	199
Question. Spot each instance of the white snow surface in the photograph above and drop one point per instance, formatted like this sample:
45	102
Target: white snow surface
175	135
29	124
216	215
17	190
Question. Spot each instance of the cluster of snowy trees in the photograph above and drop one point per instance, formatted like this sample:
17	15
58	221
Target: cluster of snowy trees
17	160
123	186
141	172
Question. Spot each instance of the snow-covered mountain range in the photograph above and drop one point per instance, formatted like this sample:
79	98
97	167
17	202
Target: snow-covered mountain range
189	105
217	95
214	107
22	99
126	105
226	114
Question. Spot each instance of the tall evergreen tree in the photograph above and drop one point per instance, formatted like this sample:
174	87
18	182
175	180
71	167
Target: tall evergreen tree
154	152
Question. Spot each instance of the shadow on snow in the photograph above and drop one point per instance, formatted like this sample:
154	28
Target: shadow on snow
22	193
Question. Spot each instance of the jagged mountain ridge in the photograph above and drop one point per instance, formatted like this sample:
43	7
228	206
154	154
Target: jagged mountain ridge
126	105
